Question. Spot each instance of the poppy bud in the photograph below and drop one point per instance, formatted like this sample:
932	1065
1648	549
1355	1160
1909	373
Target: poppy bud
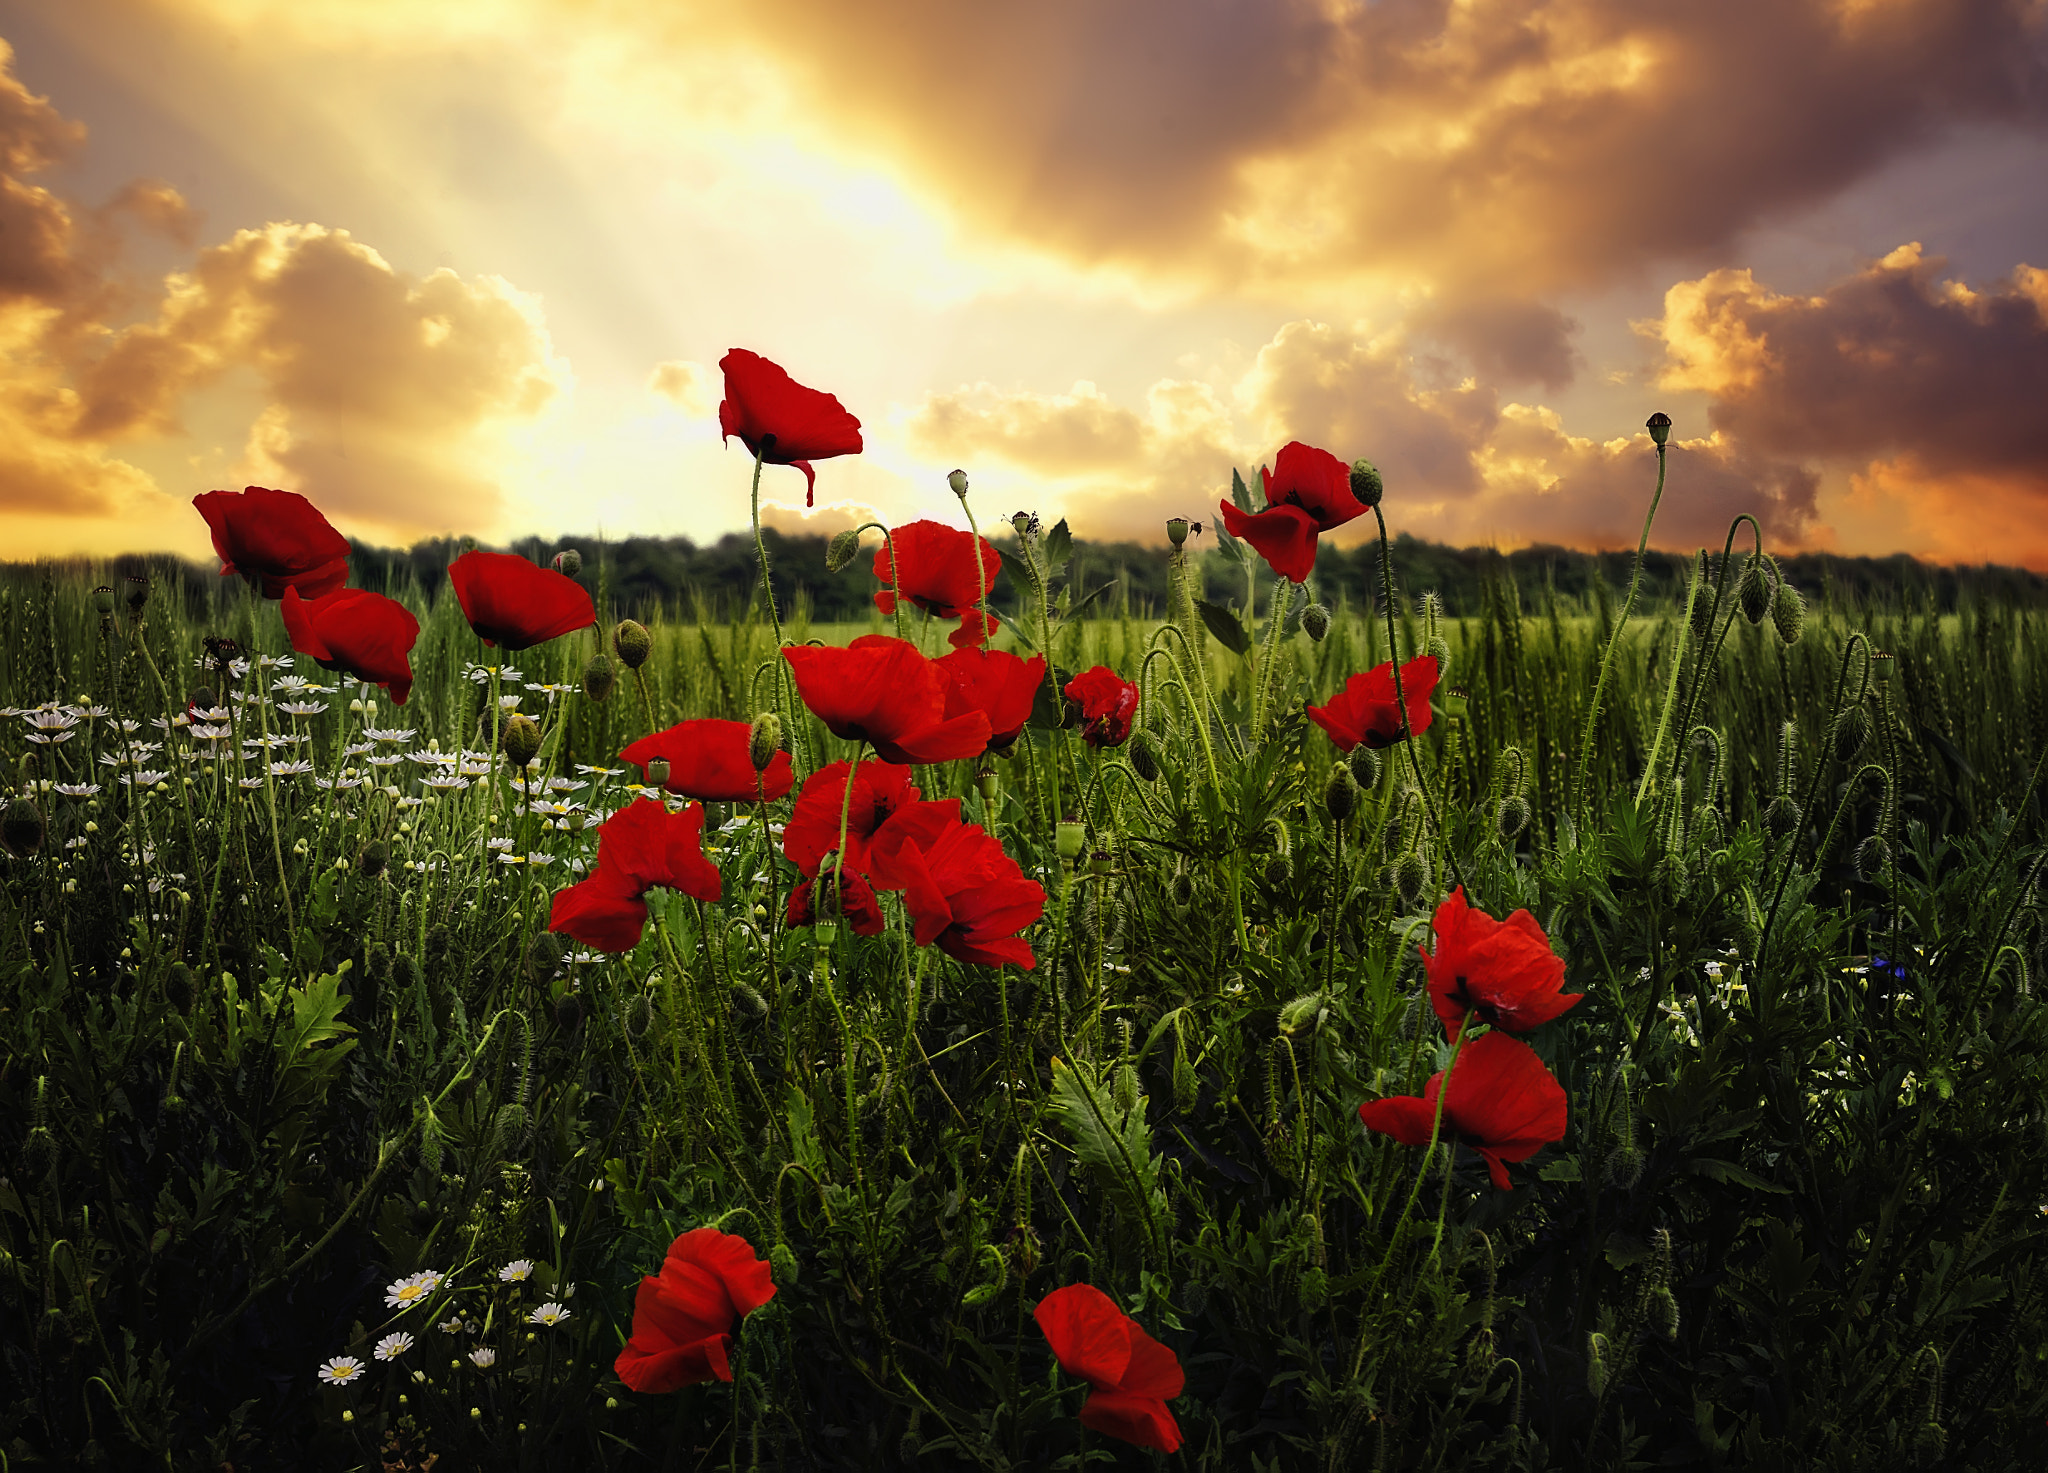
958	481
1872	855
599	677
1437	646
374	859
1511	817
1851	731
138	593
1181	888
1781	817
1071	835
1788	613
1930	1444
179	987
842	550
521	740
569	1013
1340	793
1143	752
1411	877
1366	484
765	740
544	957
1659	426
782	1264
1277	871
657	772
633	643
1177	530
639	1015
1672	874
1702	601
568	562
103	599
1365	766
1753	593
1187	1085
1302	1013
22	829
1664	1312
1315	622
1596	1363
1625	1166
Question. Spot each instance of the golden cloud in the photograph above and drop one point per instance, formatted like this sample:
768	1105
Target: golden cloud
693	387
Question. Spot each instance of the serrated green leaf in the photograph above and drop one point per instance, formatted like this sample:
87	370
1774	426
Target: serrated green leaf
1223	624
1114	1144
1059	545
1239	492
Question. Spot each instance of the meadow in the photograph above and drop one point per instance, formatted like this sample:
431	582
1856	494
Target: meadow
327	1141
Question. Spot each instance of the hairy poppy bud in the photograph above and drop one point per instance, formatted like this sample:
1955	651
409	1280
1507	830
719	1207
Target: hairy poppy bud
1596	1363
1781	817
1437	646
544	957
1511	817
1659	426
1851	730
1366	484
1177	530
1315	622
657	772
1302	1013
1664	1312
633	643
1872	855
842	550
568	562
179	986
1753	593
782	1264
138	592
1930	1445
375	859
1365	766
1625	1166
1788	613
1411	877
599	677
765	740
521	740
569	1012
1340	793
1069	838
958	481
103	599
22	828
1143	752
1702	601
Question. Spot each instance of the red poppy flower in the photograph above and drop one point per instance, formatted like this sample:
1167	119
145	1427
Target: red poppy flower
1131	1377
357	632
640	847
883	692
851	895
879	789
996	683
708	759
515	604
965	895
1503	1104
938	575
1308	491
1108	703
1366	711
1502	972
780	420
276	537
683	1317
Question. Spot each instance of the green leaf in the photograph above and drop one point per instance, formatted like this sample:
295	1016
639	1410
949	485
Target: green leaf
1059	545
1228	545
316	1018
1019	571
1565	1168
1223	624
1239	492
1087	599
1114	1144
1715	1169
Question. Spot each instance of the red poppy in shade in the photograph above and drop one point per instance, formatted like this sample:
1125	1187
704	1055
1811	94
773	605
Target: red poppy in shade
780	420
996	683
882	691
1108	703
879	789
1308	492
1502	1103
964	894
850	895
276	537
1131	1377
1366	711
357	632
1501	972
515	604
709	759
683	1317
938	575
640	847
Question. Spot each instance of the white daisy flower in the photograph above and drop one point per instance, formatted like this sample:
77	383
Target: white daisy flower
78	790
518	1271
302	708
392	1346
291	769
450	1327
410	1290
483	1357
341	1370
388	733
550	1313
443	782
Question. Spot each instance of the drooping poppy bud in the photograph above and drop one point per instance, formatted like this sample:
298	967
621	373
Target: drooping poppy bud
1872	855
842	550
1411	877
568	562
1340	793
521	740
599	677
1143	752
1788	613
1850	731
1753	593
22	828
633	643
764	741
1315	622
1511	817
1365	766
1781	817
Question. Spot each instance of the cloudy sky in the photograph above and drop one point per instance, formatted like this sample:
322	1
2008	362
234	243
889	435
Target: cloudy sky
470	265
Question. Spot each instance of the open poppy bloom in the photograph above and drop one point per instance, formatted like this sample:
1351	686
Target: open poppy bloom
1131	1377
1108	703
276	537
882	691
1366	711
879	789
709	759
357	632
939	576
996	683
1501	972
683	1317
515	604
849	896
1502	1103
1308	492
964	893
781	421
640	847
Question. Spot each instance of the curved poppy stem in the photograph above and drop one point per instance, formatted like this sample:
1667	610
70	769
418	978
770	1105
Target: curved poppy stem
845	823
895	601
1580	777
1407	737
1710	659
986	585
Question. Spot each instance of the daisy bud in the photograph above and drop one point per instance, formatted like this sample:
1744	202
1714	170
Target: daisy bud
765	740
521	740
657	772
1366	484
599	677
1851	731
1788	613
1365	766
22	828
1659	426
842	550
1340	793
958	481
1143	752
568	562
1071	835
1872	855
1315	622
633	643
1177	530
103	599
1753	594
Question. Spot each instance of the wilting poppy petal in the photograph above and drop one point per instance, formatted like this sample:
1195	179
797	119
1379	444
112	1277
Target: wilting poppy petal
1109	704
1365	709
1502	972
710	760
780	420
357	632
515	604
276	537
